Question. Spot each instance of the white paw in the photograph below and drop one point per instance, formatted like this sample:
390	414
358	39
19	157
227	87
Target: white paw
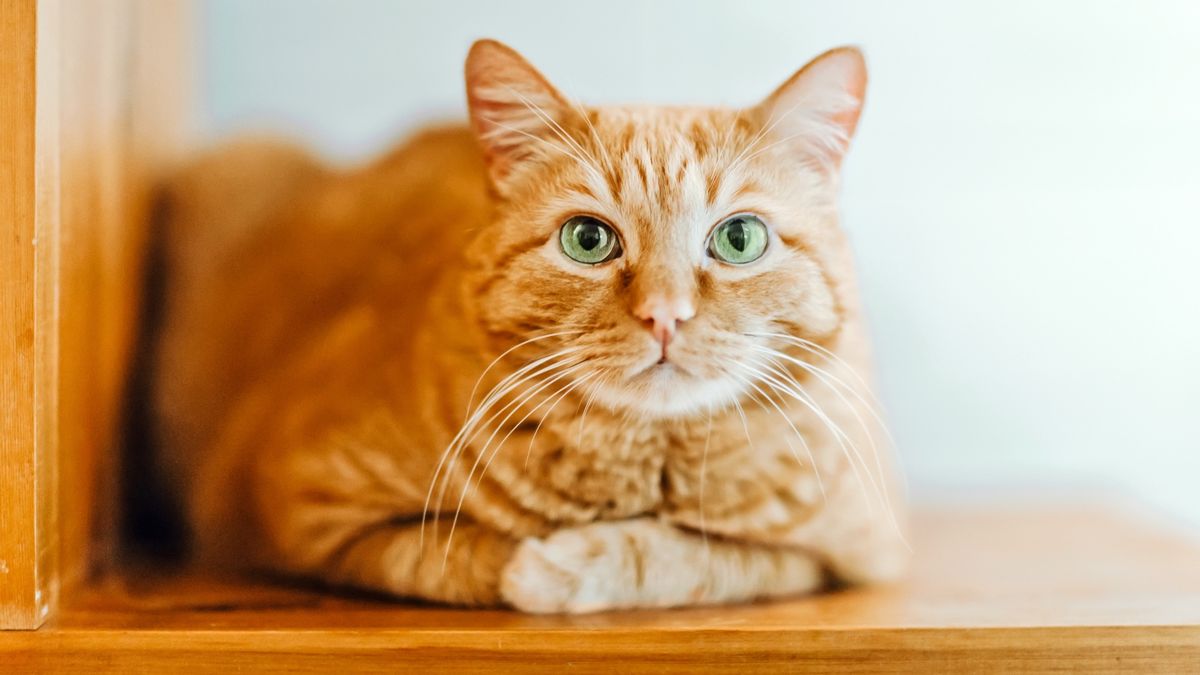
573	570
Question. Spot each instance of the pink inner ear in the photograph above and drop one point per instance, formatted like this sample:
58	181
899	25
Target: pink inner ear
507	98
494	125
855	84
824	100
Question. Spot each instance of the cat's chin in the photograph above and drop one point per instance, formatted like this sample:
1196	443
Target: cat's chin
665	391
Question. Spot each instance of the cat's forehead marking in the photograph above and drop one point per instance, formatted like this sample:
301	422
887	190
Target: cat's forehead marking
669	167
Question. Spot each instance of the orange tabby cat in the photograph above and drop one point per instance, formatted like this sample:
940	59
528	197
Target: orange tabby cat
569	360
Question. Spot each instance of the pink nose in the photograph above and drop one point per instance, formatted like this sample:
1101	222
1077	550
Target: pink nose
662	315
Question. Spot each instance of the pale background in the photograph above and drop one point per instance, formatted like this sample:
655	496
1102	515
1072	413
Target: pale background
1023	195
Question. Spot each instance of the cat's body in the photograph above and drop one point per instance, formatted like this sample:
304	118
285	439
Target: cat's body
331	336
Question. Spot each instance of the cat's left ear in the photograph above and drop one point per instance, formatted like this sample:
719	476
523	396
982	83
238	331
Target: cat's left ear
513	108
818	107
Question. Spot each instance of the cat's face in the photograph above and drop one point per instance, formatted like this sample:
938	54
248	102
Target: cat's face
646	253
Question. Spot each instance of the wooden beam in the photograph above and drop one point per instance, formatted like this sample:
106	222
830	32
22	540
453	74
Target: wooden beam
1102	649
95	98
28	314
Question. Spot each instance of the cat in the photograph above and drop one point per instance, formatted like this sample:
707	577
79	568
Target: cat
568	359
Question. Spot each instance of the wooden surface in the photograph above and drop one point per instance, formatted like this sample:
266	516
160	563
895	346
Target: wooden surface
93	100
27	505
994	589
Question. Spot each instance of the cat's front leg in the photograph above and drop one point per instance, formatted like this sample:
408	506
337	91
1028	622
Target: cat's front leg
646	562
351	523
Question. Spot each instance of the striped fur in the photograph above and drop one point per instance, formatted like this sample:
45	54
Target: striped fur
392	378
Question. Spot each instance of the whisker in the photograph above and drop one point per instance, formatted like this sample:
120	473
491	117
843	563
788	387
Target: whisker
608	162
561	393
488	369
845	443
590	398
829	137
765	148
767	128
754	140
554	126
824	378
830	356
501	388
558	148
798	393
872	406
882	488
513	407
551	123
812	460
745	425
475	425
538	428
454	448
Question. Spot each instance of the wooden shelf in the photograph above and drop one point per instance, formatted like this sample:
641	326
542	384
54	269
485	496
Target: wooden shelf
94	98
1035	588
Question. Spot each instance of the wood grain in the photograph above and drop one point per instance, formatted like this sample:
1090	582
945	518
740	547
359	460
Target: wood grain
27	338
94	100
1039	588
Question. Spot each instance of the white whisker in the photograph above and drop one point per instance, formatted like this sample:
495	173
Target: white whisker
745	425
825	378
554	126
829	379
837	386
449	456
553	146
812	460
475	389
538	428
501	388
589	399
512	407
819	350
608	163
845	443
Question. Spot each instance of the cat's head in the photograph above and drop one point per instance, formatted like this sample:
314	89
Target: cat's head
646	252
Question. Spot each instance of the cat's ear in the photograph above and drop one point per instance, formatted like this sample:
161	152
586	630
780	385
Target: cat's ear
817	109
513	107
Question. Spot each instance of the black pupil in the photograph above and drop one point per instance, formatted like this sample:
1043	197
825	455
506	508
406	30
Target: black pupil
735	234
589	236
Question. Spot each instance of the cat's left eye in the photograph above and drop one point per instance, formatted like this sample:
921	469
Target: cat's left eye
589	240
739	240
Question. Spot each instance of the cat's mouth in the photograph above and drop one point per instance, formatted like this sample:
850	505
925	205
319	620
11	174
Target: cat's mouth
665	389
664	367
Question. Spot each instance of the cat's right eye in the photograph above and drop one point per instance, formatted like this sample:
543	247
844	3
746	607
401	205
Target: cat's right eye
589	240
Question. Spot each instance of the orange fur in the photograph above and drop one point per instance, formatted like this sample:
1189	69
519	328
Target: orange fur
328	335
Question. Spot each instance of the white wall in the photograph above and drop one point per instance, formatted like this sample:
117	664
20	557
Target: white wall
1024	193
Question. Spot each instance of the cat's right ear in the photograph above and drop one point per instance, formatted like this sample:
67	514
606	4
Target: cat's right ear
512	106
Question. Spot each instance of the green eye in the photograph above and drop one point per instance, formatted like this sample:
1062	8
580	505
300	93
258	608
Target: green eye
589	241
741	239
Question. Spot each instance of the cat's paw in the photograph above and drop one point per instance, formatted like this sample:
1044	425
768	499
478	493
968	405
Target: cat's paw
575	570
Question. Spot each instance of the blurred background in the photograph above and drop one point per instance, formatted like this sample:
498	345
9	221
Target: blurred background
1023	194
